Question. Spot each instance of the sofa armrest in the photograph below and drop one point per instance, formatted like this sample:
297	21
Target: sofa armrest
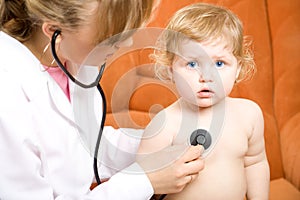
282	189
290	147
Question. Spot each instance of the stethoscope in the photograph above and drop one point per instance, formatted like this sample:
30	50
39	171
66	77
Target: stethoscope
199	136
93	84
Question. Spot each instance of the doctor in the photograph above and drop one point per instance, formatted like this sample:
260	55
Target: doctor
42	155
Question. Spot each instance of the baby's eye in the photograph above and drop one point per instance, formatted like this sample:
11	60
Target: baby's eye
219	64
192	64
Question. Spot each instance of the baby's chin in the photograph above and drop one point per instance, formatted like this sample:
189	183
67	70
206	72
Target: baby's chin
204	102
199	104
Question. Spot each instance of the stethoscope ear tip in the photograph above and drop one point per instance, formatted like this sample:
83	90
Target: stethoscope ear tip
57	32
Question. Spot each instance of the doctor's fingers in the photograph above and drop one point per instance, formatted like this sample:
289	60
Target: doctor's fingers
193	167
192	153
191	178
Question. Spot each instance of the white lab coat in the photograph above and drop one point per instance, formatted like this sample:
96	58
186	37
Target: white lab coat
41	154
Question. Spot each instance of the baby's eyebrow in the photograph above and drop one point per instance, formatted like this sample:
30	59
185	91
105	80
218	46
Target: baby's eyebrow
189	58
224	53
221	57
197	58
187	55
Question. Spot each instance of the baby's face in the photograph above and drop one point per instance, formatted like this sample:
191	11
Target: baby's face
204	73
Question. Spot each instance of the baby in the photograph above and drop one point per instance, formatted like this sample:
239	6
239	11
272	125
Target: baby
204	53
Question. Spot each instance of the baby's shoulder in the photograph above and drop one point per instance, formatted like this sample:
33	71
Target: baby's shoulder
168	112
245	106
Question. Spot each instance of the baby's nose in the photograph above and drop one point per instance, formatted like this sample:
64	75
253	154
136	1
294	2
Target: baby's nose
205	75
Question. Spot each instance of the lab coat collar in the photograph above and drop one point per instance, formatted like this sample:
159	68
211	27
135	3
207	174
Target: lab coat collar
59	99
28	71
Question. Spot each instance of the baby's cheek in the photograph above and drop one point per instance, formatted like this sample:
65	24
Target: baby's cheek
227	84
184	86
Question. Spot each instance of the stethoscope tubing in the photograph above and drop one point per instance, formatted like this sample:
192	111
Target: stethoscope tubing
93	84
104	105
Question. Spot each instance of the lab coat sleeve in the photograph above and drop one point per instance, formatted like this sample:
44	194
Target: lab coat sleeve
21	167
118	149
124	185
18	182
28	181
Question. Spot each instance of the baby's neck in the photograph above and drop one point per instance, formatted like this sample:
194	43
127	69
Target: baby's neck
194	108
204	115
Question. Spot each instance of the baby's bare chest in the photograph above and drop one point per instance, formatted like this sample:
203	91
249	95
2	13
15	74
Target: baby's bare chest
227	135
224	175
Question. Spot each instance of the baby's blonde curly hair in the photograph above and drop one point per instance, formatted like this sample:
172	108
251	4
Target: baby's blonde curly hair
204	22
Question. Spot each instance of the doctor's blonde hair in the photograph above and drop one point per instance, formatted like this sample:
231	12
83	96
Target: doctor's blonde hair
204	22
20	18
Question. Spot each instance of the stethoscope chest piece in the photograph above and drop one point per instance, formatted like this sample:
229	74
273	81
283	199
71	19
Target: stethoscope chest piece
202	137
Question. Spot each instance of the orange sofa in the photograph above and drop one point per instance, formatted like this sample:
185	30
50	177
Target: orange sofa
134	94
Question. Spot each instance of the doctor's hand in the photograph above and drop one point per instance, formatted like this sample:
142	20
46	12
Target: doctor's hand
171	169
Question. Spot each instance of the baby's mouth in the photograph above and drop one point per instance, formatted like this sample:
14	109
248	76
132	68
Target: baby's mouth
205	93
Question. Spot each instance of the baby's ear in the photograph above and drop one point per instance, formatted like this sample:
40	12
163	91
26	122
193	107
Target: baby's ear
49	29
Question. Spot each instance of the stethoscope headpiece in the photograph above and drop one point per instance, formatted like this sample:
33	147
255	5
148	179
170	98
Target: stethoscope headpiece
202	137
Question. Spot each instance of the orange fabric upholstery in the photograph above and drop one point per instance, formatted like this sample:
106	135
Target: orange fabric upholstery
134	95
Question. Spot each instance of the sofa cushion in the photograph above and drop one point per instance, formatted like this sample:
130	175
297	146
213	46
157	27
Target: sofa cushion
281	189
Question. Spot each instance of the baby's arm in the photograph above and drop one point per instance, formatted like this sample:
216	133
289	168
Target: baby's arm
256	164
157	135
